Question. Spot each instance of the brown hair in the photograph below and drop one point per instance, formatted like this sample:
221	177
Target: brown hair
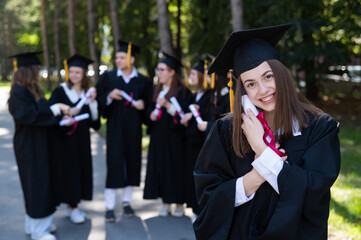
289	104
200	77
173	90
28	78
84	81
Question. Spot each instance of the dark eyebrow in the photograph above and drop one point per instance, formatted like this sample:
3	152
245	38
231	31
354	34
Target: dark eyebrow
265	73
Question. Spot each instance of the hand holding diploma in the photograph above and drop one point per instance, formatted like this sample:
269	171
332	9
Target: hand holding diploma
195	113
179	110
77	118
128	97
158	108
88	95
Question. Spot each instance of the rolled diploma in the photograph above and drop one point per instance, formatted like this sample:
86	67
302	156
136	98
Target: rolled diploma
246	103
174	101
85	98
195	113
76	118
128	98
157	106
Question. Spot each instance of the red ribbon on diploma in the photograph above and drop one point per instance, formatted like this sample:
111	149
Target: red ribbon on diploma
268	136
127	102
75	125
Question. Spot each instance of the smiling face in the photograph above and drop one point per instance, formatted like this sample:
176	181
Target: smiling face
260	86
76	74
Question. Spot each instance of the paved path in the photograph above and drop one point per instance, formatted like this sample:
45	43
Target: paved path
146	225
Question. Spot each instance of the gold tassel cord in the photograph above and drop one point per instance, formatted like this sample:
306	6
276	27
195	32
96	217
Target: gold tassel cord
186	78
66	70
231	92
213	77
205	84
15	63
129	53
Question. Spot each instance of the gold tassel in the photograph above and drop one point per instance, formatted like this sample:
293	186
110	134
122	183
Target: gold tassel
129	52
213	76
205	84
66	70
15	63
231	92
186	78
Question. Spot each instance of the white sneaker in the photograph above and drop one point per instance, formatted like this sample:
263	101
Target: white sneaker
68	211
164	210
51	229
76	217
47	236
178	211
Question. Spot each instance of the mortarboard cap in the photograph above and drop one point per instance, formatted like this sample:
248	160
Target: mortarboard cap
171	61
246	49
79	61
26	59
126	46
199	66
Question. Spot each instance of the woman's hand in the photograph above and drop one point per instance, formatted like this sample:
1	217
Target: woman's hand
163	102
253	130
64	108
74	111
71	122
202	126
187	116
153	116
281	150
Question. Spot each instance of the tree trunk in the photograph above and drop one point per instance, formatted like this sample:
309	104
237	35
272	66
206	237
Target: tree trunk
45	43
71	28
237	15
91	35
57	40
164	28
179	49
115	23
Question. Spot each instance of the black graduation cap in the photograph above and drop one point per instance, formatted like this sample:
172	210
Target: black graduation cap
26	59
79	61
199	66
124	47
171	61
246	49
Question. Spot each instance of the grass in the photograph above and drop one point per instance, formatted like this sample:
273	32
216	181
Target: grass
345	211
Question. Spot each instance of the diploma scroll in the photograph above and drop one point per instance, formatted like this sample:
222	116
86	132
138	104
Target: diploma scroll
128	98
179	110
77	118
157	106
84	99
195	113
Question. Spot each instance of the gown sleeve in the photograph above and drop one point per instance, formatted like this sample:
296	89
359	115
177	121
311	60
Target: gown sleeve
215	182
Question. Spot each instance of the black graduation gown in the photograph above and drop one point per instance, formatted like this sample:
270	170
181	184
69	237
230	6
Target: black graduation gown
32	120
194	143
221	107
71	155
299	212
166	155
124	128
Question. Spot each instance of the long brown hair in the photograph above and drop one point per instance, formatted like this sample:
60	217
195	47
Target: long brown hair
200	77
289	104
28	78
84	81
173	90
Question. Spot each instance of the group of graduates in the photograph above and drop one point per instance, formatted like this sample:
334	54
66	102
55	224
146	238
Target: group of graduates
52	137
263	171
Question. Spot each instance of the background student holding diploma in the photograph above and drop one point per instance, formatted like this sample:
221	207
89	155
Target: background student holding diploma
33	115
73	172
246	190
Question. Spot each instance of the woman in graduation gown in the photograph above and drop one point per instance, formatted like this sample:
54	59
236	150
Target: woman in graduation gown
33	116
71	149
244	186
166	158
194	137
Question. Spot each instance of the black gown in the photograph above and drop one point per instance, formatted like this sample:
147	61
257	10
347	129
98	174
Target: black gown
220	109
124	128
32	120
166	155
71	155
194	143
299	212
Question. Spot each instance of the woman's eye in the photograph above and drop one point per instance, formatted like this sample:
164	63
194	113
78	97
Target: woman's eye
250	85
269	76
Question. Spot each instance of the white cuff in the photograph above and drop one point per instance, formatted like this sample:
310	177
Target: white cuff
172	110
109	100
94	109
55	109
269	165
241	197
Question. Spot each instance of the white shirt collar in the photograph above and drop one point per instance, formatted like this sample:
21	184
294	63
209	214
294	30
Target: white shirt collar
295	128
71	93
199	96
127	78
